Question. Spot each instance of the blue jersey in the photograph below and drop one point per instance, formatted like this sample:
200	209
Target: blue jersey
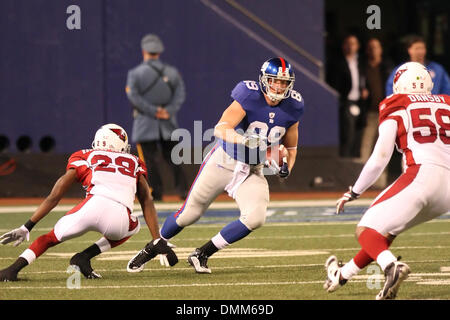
263	119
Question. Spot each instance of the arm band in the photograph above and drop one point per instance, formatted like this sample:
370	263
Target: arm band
29	225
220	124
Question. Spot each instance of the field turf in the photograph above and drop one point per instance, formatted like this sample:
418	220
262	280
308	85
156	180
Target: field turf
283	260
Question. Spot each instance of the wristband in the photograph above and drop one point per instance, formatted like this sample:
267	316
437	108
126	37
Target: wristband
29	225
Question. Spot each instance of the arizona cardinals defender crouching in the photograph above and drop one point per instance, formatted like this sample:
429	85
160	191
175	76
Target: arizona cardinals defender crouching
111	177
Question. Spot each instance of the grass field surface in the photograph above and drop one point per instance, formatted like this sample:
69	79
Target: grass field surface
283	260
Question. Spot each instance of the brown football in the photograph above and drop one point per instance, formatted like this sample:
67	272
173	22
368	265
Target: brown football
277	153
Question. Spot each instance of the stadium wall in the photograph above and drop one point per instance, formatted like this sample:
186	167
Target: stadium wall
63	84
59	85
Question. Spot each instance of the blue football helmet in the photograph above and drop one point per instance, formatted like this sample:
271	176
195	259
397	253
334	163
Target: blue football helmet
276	69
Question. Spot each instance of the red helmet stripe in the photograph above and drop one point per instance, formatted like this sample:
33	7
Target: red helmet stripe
283	64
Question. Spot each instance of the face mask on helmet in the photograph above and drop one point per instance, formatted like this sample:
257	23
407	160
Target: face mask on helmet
111	137
412	77
276	79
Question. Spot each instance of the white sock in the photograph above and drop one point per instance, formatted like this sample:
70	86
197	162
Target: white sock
28	255
219	241
385	258
349	270
103	244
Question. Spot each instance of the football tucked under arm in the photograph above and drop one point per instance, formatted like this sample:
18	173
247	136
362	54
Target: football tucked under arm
277	153
276	160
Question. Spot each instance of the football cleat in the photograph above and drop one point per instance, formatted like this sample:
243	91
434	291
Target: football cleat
333	281
82	263
198	260
395	273
8	275
151	250
137	263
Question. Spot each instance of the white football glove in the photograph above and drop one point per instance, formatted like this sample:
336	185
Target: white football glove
254	140
272	165
347	197
17	235
163	258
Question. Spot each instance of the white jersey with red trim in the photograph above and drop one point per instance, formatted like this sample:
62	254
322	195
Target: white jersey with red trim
113	175
423	127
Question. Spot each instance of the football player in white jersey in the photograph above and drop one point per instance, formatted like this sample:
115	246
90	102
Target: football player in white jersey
112	178
419	124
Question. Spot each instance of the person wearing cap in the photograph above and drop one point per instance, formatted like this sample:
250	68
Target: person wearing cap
156	91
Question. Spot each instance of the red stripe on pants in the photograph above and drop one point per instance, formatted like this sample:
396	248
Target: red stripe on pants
78	206
115	243
401	183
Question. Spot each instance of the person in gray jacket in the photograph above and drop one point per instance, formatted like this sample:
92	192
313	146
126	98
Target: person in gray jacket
156	92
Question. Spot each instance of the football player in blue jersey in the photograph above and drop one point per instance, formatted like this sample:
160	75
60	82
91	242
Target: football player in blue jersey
262	114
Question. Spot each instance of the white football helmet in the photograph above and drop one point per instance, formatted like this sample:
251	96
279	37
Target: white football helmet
111	137
412	77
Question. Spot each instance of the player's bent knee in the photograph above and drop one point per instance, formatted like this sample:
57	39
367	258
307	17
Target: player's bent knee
358	231
254	222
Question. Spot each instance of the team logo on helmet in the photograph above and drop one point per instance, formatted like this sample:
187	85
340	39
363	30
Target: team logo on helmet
120	133
276	69
398	74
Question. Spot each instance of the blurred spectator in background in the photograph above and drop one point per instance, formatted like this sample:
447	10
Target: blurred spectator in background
377	70
417	51
346	75
156	92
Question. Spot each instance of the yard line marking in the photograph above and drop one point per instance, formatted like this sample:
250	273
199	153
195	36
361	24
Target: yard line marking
435	282
269	225
183	253
360	276
322	236
185	268
215	205
225	284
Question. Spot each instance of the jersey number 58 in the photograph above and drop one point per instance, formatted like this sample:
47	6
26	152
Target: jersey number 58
437	127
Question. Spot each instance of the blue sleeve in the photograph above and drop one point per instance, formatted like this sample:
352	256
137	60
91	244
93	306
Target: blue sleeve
445	83
389	83
441	82
300	109
240	93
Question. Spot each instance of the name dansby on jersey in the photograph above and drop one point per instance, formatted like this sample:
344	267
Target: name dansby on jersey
113	175
423	127
263	119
